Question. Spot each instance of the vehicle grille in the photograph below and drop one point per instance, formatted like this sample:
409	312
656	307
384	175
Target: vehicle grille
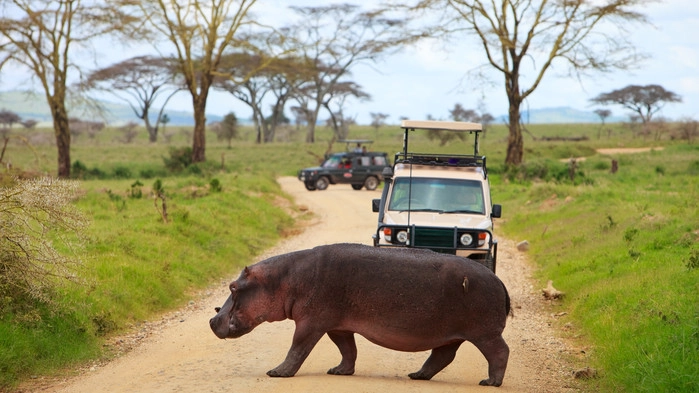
434	237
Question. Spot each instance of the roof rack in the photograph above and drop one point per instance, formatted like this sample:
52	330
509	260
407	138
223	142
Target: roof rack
447	160
455	126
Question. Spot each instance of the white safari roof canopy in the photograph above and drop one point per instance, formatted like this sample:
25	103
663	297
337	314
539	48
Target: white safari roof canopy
457	126
441	125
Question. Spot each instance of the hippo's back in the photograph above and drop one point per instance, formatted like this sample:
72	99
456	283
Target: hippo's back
407	292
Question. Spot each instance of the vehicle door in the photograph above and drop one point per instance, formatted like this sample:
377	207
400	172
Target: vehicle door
361	168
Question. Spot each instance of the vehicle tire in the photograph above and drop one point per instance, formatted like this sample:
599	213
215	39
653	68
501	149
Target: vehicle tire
310	186
357	186
322	183
371	183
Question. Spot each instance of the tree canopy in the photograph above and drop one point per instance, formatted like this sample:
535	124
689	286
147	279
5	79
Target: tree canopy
645	101
333	39
582	35
199	33
42	37
138	81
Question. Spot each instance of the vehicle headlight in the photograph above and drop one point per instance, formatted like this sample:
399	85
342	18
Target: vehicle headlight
402	236
466	239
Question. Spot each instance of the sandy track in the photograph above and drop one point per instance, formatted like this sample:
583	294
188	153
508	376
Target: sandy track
180	353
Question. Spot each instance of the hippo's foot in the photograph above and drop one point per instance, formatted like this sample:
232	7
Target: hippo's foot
420	376
489	382
340	370
277	374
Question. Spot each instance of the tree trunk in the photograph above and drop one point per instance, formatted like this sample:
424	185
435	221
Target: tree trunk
199	143
311	135
62	131
515	143
152	131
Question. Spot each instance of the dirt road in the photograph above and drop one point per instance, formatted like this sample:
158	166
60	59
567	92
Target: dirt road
180	353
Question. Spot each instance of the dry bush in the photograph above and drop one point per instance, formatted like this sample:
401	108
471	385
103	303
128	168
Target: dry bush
33	214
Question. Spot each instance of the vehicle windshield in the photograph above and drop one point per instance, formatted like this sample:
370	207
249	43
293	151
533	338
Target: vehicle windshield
440	195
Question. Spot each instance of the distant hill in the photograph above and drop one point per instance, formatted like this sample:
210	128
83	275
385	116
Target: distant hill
32	105
29	105
563	115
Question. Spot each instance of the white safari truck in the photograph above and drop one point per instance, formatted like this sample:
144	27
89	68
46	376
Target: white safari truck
438	201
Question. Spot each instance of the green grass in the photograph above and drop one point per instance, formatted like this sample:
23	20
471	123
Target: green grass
622	250
623	247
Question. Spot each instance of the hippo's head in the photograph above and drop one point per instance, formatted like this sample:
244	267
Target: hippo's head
243	310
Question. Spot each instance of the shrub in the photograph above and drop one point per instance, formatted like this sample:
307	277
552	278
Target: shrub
180	158
33	214
81	171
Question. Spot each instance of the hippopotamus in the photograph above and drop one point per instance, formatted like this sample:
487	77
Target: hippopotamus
405	299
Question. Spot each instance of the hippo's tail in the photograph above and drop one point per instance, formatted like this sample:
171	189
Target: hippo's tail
508	310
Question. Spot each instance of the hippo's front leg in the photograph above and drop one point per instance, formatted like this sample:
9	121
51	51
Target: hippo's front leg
305	338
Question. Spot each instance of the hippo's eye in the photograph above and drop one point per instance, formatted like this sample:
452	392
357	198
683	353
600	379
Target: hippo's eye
233	287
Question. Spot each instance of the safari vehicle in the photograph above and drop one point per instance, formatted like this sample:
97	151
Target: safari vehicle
358	167
438	201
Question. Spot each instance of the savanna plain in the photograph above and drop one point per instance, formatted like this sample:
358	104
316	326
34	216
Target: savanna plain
622	245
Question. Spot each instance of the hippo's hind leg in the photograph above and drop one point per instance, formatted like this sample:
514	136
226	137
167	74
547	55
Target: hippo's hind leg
348	349
439	358
305	338
496	352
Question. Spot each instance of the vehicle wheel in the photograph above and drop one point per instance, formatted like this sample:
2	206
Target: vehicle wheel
322	183
310	186
371	183
357	186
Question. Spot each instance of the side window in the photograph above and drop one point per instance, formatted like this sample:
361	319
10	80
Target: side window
379	160
365	161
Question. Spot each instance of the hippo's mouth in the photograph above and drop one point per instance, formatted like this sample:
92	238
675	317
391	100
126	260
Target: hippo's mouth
235	331
225	328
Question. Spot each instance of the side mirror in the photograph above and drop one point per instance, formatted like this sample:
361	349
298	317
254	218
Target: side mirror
375	203
497	211
387	172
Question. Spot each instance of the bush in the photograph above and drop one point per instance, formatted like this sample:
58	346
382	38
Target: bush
33	214
81	171
180	158
122	172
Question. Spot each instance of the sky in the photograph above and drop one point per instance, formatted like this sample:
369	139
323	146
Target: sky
428	79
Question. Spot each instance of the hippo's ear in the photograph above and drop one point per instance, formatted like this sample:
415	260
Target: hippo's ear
246	271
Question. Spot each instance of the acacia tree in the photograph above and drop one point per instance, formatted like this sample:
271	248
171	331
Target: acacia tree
200	32
251	78
378	120
42	36
338	96
603	115
583	35
458	113
645	101
333	39
8	118
139	81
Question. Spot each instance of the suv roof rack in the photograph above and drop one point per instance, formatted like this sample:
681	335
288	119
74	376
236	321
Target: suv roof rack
448	160
455	126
